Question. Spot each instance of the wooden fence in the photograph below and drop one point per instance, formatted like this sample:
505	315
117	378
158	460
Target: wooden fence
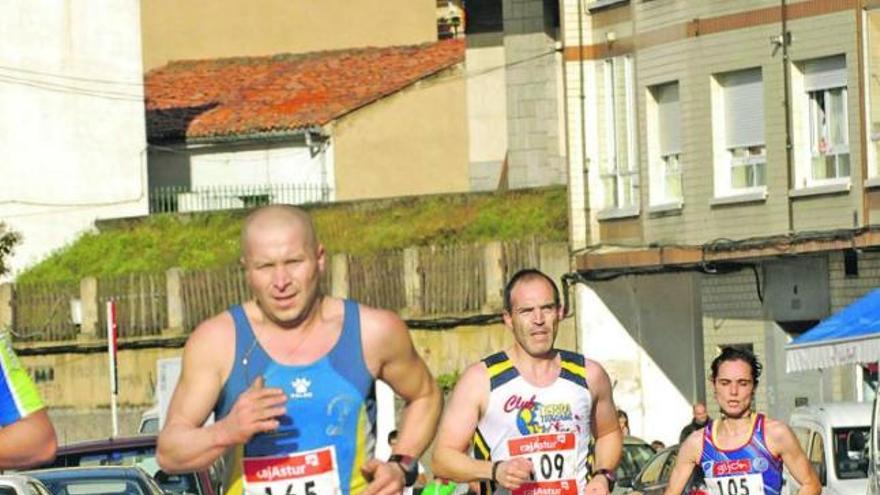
208	292
378	280
426	281
453	279
518	255
41	312
141	304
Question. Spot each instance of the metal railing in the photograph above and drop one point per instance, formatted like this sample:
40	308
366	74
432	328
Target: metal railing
183	199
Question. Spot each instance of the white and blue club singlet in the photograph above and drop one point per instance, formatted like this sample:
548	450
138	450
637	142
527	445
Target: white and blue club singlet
549	425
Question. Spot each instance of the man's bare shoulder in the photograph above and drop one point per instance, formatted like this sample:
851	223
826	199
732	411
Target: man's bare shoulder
474	371
473	384
596	374
381	323
216	336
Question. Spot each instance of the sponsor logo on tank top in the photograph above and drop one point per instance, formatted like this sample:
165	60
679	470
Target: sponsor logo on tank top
736	466
760	464
301	388
546	418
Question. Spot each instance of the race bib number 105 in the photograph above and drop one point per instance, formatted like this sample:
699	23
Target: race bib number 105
304	473
744	484
554	462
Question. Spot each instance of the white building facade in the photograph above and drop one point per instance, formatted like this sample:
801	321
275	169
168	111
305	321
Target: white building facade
72	130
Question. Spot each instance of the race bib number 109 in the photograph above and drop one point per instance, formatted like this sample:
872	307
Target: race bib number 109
304	473
554	462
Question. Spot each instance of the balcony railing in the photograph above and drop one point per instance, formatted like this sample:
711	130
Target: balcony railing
185	199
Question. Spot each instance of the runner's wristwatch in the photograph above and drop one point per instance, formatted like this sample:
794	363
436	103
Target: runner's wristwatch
609	475
409	465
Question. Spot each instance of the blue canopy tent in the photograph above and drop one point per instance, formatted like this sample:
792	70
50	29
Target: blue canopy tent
850	336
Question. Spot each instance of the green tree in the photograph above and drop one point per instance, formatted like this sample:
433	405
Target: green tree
8	240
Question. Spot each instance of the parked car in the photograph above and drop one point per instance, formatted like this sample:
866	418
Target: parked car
19	484
835	437
636	454
99	480
652	480
139	451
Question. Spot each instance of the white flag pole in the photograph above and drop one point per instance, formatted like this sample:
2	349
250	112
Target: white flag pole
111	351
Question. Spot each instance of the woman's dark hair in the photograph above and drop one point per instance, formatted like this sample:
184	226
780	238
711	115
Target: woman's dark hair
737	354
525	275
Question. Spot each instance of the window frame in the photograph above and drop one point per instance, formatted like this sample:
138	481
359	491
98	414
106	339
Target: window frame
817	131
726	158
619	180
664	161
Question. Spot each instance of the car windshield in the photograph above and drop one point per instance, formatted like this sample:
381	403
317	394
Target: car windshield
851	452
634	458
149	425
142	457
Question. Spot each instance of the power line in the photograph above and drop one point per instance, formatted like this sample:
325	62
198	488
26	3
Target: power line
123	96
75	90
73	78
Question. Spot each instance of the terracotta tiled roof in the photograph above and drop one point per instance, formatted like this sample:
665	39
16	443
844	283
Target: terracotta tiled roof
204	99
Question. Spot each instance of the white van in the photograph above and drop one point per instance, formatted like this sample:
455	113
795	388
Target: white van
835	438
150	421
874	468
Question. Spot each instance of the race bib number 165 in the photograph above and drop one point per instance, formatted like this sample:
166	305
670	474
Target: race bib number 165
304	473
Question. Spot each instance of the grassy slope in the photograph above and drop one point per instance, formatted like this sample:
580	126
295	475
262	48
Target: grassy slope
197	241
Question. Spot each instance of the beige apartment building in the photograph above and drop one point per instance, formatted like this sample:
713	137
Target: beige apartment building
724	181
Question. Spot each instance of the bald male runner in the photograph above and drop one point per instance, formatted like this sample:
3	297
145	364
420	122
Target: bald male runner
290	378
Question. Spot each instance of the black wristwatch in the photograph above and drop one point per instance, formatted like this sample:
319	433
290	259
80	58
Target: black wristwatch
609	476
409	465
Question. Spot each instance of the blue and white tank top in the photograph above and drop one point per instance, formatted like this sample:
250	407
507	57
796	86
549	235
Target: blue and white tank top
750	469
328	432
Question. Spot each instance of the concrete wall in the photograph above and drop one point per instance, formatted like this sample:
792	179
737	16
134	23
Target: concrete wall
77	425
650	345
535	112
78	394
487	114
413	142
72	119
174	30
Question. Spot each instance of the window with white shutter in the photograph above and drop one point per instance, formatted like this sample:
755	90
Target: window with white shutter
743	136
668	151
